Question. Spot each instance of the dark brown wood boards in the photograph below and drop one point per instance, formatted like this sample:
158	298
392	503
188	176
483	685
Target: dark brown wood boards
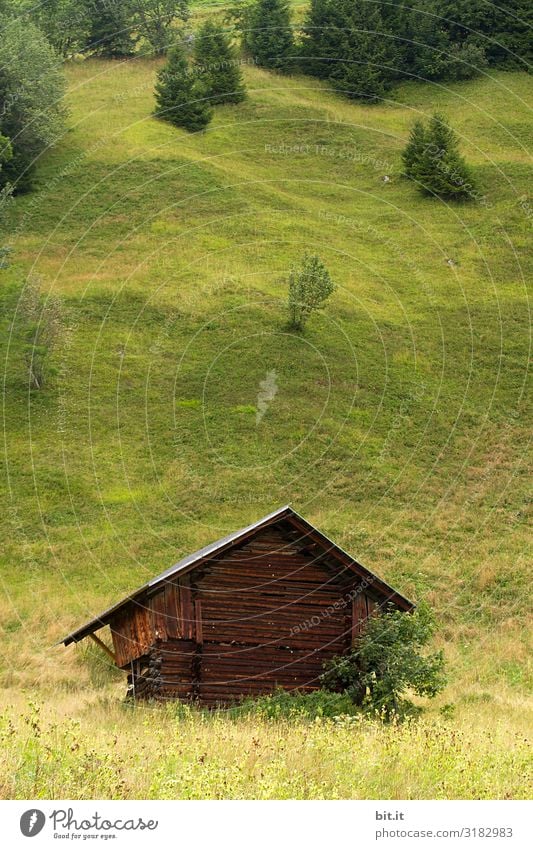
263	615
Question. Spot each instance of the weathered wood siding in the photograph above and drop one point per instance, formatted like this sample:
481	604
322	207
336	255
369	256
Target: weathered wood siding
168	614
262	616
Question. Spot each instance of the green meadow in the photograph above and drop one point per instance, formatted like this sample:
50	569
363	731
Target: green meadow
399	426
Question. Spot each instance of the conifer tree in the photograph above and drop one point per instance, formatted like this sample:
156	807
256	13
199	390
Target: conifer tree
323	27
414	149
429	52
346	42
270	38
217	65
396	21
502	29
180	96
432	158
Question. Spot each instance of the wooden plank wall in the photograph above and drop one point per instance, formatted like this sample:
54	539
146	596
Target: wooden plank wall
168	614
133	633
270	617
263	616
362	607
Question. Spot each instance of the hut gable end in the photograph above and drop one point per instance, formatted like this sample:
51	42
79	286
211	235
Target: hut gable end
272	589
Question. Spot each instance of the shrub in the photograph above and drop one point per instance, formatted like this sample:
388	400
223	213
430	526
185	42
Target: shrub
180	96
464	61
309	286
438	59
296	705
217	64
388	662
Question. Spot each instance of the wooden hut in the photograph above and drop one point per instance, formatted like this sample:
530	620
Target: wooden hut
260	609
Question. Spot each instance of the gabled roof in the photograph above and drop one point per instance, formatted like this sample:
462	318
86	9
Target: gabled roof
188	563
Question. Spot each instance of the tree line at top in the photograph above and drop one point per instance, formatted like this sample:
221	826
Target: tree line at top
360	47
433	38
363	47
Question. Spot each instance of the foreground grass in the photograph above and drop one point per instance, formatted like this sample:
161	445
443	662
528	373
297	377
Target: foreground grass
117	752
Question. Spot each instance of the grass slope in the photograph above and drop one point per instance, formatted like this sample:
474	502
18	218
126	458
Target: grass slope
399	426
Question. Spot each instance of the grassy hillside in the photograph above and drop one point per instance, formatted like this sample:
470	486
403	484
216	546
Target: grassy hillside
400	424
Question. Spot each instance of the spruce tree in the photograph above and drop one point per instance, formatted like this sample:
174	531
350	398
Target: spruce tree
414	149
396	18
270	38
180	96
432	158
346	42
502	29
430	53
323	27
110	28
217	65
367	54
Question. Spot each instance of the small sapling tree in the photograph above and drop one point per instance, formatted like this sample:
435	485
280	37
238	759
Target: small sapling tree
388	662
40	322
180	95
309	287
